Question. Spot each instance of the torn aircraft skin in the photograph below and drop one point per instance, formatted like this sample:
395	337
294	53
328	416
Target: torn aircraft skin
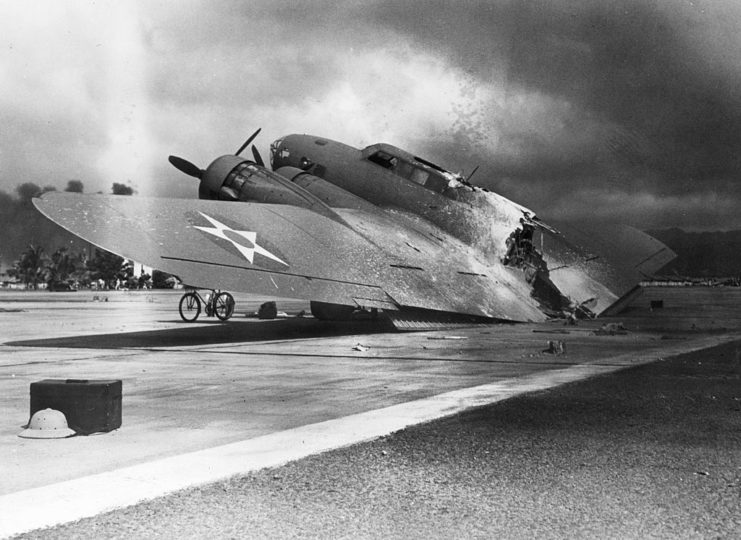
376	228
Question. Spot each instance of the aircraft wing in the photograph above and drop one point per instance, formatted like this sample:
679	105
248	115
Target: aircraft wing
373	260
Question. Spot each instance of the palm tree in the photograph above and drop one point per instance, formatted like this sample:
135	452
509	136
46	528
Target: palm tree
31	268
109	267
63	267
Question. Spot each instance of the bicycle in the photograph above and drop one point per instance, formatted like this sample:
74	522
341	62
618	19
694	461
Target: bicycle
216	302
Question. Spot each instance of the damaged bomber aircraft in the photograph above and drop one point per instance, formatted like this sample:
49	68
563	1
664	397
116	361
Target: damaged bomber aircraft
371	229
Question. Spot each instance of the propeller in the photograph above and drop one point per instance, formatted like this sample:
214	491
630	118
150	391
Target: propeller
204	191
257	156
248	141
185	166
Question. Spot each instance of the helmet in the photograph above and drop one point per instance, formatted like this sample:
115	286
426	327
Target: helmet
47	424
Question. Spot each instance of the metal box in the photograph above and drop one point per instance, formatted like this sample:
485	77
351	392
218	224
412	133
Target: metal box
89	405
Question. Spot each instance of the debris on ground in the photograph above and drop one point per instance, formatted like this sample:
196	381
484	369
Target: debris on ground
553	331
360	348
579	310
556	347
611	329
447	337
268	310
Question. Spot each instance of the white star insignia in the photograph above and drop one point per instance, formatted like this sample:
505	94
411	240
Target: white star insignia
238	239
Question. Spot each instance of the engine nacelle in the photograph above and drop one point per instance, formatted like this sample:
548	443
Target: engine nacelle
232	178
330	194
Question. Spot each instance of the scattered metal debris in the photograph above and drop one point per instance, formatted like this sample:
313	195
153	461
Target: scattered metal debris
611	329
556	347
447	337
580	310
360	348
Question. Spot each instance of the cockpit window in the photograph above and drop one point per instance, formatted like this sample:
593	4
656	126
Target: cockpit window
383	159
419	176
418	171
399	167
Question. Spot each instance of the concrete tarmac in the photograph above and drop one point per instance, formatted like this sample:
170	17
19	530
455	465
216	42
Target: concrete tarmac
648	452
191	387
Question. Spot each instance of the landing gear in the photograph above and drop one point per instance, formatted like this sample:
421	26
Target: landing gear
219	303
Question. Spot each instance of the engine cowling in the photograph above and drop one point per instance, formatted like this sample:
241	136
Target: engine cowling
232	178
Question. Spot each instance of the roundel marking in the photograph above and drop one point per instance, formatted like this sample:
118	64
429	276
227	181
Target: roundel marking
244	241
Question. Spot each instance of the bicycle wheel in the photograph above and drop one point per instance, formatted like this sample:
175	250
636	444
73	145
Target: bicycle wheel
190	307
224	305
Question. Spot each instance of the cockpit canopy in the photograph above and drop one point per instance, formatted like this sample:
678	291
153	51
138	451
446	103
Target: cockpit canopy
418	170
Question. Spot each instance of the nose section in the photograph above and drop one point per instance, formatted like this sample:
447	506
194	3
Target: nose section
279	154
300	151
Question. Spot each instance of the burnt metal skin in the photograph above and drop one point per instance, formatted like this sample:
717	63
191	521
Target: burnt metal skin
335	227
599	261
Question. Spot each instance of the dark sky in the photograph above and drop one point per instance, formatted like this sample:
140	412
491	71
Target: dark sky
618	110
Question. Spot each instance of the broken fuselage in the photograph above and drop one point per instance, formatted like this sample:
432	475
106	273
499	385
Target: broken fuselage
508	240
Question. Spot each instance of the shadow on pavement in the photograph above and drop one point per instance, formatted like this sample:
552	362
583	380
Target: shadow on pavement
217	333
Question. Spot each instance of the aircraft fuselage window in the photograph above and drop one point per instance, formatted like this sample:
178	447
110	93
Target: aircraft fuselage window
383	159
420	176
410	171
404	169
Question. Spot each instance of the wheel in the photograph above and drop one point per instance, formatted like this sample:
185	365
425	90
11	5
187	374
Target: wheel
190	307
224	305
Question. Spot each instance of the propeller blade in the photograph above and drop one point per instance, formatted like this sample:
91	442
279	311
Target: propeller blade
257	156
185	166
248	141
204	192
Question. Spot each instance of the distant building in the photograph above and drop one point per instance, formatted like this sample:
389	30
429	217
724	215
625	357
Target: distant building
140	269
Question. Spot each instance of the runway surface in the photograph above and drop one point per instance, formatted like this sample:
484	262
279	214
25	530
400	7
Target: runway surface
649	452
191	388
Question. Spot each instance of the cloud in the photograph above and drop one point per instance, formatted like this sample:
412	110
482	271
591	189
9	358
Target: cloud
569	107
590	97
